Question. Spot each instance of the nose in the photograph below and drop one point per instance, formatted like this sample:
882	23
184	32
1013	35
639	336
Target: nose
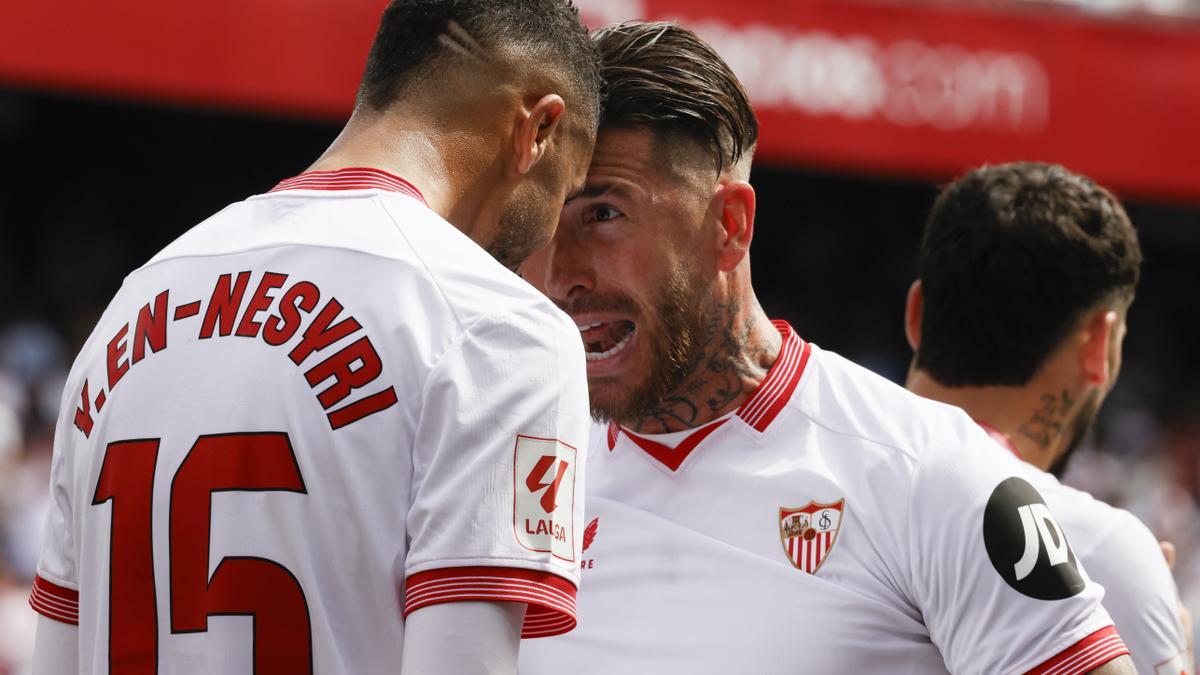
567	268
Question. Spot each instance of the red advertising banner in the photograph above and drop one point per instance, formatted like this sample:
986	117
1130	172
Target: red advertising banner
915	88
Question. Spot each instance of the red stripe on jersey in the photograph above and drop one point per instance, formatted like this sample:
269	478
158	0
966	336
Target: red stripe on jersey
54	601
353	178
1086	655
769	398
673	457
551	598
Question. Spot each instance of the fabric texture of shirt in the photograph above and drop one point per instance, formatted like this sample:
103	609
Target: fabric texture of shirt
836	524
318	410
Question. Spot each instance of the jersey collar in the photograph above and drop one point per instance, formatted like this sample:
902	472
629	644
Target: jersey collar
758	411
352	178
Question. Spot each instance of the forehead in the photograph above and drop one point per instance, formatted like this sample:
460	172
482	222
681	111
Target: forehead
643	154
623	151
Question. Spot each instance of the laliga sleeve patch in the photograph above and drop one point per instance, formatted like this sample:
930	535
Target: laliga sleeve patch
1026	545
544	496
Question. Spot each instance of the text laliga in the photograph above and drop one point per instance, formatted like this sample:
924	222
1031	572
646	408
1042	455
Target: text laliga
228	312
546	526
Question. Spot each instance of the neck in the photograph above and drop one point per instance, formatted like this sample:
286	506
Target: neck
740	344
1033	418
408	145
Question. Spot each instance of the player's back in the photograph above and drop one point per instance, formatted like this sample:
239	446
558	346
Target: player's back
247	468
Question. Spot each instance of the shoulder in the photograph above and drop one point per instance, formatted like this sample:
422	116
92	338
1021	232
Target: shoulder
474	285
400	239
1116	548
847	399
1118	552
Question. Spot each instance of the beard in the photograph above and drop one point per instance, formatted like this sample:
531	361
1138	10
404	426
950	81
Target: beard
522	231
674	330
1078	430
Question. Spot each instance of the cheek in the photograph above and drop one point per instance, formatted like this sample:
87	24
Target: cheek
627	267
534	269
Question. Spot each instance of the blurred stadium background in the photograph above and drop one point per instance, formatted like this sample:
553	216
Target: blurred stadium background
123	124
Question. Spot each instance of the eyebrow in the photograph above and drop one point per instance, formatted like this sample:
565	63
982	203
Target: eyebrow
591	192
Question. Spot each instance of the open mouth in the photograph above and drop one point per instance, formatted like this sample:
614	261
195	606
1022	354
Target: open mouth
605	339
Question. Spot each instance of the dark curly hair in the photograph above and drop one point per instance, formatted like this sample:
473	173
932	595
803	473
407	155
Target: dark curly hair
1012	258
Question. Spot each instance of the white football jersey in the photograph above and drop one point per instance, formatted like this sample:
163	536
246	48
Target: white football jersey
1122	555
318	410
835	524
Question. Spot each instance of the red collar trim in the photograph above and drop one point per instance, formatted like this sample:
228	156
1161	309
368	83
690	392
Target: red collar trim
768	399
670	457
353	178
758	411
1000	438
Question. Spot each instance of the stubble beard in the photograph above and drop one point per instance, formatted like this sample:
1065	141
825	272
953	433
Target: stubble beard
519	235
676	345
1078	430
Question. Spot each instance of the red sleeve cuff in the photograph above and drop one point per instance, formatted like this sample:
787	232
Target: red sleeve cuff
54	601
1086	655
550	598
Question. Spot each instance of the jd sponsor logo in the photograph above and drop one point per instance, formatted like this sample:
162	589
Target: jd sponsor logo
1026	545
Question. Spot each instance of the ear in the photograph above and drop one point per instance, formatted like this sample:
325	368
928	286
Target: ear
1096	339
535	127
734	203
914	309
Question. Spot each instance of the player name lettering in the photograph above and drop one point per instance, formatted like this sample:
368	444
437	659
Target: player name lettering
546	526
278	313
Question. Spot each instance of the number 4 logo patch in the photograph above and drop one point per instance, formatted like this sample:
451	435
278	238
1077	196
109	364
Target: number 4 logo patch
544	496
1026	545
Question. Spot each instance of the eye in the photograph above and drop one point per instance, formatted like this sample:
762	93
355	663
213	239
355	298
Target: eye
601	213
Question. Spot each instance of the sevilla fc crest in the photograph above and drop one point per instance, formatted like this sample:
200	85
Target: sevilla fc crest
808	533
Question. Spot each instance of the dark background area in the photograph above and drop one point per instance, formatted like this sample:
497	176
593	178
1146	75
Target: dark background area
90	189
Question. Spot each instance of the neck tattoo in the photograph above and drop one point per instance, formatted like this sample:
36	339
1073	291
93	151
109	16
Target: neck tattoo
735	362
1049	420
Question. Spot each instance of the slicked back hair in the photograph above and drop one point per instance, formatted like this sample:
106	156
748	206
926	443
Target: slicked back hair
415	35
661	76
1012	258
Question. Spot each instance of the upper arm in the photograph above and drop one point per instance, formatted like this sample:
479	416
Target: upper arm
1139	594
55	592
997	582
497	482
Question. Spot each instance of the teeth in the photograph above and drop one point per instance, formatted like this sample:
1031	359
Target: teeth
590	326
600	356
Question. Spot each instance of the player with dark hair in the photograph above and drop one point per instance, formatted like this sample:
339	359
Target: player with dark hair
324	431
757	504
1026	274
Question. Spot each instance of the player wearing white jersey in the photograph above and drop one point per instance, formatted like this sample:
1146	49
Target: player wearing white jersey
325	424
760	505
1027	272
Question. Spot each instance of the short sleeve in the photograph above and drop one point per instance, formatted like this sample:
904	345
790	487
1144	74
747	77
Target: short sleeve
997	582
56	588
498	471
1139	594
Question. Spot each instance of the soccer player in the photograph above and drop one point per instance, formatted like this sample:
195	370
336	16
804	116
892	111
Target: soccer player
1026	274
328	408
757	504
